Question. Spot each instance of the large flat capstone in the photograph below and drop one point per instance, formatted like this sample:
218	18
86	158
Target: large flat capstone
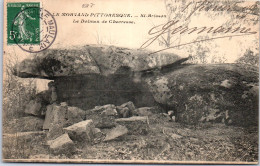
91	59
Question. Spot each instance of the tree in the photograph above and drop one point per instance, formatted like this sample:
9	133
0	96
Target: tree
16	92
250	58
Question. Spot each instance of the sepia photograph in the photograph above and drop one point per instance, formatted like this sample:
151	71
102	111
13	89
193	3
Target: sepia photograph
134	81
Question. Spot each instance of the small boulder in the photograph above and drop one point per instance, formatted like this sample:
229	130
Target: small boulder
82	131
165	116
130	105
62	145
144	111
126	110
58	121
104	122
48	117
33	108
37	106
74	115
172	116
116	132
102	116
135	124
71	114
97	133
109	112
106	108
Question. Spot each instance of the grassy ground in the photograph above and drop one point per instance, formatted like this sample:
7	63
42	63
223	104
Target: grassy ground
164	141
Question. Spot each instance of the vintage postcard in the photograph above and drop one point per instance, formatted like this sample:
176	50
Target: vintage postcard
131	81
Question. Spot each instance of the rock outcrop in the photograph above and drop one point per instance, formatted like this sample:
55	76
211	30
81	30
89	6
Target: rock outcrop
205	92
81	131
106	75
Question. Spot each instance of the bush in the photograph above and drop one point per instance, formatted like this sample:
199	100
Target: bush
16	94
249	58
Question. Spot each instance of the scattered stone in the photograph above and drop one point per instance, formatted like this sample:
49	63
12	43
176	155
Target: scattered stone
172	116
37	106
105	122
48	117
170	113
144	111
135	124
82	131
97	132
33	108
107	108
44	97
70	115
98	135
116	132
74	115
124	112
130	105
166	115
62	145
58	121
109	112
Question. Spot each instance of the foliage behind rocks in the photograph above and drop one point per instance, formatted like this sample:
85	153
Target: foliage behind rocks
249	58
16	95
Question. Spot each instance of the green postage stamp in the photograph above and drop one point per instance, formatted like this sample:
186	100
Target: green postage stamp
23	23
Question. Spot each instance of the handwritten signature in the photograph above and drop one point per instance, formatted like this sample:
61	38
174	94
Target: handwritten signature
162	29
207	5
173	26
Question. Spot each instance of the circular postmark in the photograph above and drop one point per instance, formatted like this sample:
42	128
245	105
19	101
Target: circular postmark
34	29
